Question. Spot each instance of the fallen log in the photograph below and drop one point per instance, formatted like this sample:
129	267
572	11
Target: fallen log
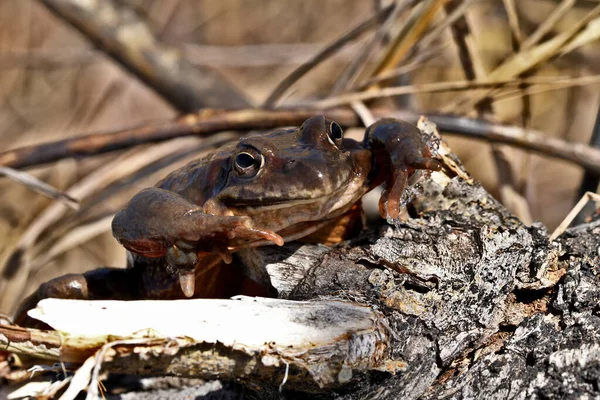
460	301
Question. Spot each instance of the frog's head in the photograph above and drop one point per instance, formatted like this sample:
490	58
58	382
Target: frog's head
287	166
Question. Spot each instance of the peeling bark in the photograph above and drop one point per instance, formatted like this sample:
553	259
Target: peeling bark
312	345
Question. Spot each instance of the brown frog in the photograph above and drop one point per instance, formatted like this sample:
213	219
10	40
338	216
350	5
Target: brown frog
267	188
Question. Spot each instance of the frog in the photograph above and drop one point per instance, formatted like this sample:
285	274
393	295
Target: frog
265	189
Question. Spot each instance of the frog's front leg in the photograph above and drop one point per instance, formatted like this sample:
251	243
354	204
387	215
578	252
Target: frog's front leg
399	149
157	222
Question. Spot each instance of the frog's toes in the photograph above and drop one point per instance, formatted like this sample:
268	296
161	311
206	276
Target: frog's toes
251	233
226	256
179	255
426	163
183	262
269	235
390	202
187	281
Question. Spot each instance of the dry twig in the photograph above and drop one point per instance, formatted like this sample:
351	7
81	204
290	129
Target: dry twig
208	122
537	85
549	23
513	20
41	187
523	61
585	199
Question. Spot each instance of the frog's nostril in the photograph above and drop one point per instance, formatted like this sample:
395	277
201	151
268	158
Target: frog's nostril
289	164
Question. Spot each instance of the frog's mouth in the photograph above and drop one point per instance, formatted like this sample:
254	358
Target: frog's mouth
346	190
294	219
277	204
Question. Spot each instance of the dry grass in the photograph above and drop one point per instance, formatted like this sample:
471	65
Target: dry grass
54	84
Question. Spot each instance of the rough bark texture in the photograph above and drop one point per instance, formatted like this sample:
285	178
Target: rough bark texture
481	306
551	354
478	305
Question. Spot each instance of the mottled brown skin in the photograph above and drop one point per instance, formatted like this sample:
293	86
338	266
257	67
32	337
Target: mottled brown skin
265	189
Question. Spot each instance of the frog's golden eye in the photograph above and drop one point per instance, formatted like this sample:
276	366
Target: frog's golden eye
336	134
248	163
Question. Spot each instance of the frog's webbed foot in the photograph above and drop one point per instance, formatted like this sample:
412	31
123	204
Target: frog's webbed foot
399	149
158	222
182	259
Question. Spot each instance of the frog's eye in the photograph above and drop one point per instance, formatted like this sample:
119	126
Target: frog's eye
248	163
336	134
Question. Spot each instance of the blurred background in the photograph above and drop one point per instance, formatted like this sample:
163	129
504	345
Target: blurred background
56	84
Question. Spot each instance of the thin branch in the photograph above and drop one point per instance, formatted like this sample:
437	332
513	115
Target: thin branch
39	186
590	181
581	204
513	20
117	30
451	86
462	35
548	24
469	58
533	89
415	63
448	20
204	123
209	122
529	139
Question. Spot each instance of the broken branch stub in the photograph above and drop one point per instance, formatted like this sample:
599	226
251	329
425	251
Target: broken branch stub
243	338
